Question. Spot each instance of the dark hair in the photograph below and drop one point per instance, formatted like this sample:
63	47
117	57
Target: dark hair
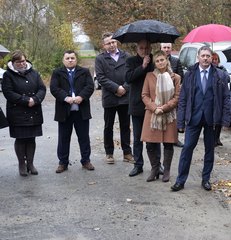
144	40
203	48
17	55
69	52
106	35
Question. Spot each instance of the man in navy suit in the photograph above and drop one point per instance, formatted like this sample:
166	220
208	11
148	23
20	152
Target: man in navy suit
204	102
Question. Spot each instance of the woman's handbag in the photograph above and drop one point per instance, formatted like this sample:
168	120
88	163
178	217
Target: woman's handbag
3	119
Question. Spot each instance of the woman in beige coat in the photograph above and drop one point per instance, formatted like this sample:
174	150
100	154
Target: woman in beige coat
160	95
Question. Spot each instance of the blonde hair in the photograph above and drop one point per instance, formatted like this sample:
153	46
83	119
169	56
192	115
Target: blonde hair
162	53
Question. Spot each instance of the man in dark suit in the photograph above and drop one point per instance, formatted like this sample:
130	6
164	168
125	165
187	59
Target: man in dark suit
72	87
110	72
174	61
176	68
204	102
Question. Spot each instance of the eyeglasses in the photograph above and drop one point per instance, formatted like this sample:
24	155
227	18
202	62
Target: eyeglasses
20	61
109	43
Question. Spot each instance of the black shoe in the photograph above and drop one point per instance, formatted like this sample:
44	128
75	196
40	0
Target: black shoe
219	143
135	171
179	144
206	185
161	170
177	187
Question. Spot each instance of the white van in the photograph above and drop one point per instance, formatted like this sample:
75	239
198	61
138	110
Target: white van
188	53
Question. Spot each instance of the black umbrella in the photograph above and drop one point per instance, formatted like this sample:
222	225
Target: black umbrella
151	30
3	51
227	53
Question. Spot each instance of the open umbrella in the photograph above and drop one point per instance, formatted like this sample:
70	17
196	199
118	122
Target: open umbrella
151	30
227	53
3	51
210	33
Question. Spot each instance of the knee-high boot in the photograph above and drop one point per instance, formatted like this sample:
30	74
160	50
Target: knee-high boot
168	155
217	135
31	145
19	147
152	155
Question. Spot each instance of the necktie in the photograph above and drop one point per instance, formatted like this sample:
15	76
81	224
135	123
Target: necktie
70	78
204	80
74	106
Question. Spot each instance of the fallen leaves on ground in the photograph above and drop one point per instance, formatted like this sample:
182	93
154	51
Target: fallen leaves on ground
223	161
224	186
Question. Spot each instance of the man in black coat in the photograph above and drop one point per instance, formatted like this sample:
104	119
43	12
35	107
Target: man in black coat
110	72
176	68
136	69
72	86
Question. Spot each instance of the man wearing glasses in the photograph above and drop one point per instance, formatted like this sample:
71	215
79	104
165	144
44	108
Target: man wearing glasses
110	72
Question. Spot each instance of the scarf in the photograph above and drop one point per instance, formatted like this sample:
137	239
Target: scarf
164	92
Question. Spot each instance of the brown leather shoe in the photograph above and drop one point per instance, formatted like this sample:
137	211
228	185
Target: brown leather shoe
88	166
129	158
61	168
110	159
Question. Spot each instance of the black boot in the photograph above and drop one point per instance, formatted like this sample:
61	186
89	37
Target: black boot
217	136
30	157
155	166
19	147
168	155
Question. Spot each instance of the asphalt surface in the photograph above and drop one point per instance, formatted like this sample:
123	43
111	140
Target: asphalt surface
106	203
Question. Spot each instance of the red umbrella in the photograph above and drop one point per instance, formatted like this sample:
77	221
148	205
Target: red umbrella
209	33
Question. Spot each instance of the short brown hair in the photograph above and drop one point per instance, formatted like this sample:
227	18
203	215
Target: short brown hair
106	35
17	55
205	48
216	55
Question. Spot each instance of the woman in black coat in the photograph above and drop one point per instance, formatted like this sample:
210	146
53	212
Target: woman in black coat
216	61
24	90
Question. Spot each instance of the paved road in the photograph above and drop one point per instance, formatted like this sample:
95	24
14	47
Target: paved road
83	205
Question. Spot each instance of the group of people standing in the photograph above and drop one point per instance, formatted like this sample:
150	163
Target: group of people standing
150	89
162	102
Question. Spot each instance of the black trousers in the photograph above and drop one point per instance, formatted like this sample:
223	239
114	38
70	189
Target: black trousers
124	123
82	131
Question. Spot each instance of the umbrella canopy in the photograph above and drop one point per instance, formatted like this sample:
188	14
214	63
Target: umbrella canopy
227	53
209	33
151	30
3	51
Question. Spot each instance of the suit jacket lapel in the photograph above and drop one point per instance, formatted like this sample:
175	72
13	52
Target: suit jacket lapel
198	77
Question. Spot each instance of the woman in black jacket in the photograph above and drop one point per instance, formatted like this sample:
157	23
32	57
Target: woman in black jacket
24	90
216	61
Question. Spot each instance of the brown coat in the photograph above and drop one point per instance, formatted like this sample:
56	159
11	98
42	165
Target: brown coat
148	96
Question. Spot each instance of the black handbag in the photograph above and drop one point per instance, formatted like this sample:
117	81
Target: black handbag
3	119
